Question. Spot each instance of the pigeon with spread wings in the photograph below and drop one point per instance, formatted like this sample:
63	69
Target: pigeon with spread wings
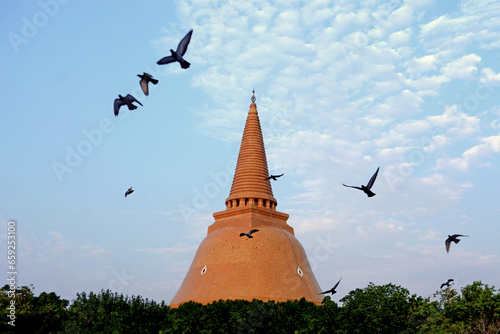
249	234
146	78
177	55
125	100
128	192
332	290
453	238
366	189
274	177
447	283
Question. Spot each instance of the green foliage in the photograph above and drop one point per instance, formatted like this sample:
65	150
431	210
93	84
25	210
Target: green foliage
109	312
379	309
476	310
375	309
43	314
477	307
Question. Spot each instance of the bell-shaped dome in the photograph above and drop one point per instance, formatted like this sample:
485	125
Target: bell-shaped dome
270	266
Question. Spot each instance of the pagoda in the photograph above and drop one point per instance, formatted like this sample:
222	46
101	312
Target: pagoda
272	265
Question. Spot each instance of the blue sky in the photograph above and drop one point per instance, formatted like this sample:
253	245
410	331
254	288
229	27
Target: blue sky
342	88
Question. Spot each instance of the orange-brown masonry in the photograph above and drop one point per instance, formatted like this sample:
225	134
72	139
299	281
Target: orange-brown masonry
270	266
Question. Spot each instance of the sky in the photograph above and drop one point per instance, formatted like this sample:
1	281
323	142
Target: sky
342	88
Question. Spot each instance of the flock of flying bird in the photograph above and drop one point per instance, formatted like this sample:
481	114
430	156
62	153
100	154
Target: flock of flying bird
146	78
177	56
367	190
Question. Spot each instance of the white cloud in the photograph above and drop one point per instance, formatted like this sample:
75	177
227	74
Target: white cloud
476	23
56	235
392	153
92	250
473	155
436	24
430	83
478	8
443	187
405	103
389	226
419	3
421	65
431	235
401	17
455	123
489	76
462	68
52	254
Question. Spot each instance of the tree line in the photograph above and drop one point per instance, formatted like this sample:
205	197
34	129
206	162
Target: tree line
381	309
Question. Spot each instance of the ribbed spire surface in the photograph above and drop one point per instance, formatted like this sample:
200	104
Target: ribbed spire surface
249	183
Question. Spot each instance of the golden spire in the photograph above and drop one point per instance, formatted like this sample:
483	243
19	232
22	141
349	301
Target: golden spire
249	183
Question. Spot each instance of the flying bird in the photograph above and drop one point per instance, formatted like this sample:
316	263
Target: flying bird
177	55
128	192
125	100
332	290
249	234
447	283
366	188
453	238
274	177
146	78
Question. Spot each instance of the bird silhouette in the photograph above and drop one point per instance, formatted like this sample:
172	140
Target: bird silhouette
125	100
128	192
447	283
146	78
177	55
453	238
249	234
274	177
332	290
366	188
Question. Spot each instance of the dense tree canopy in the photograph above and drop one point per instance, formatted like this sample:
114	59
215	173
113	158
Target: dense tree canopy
375	309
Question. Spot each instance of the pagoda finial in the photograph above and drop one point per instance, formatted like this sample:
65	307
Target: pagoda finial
253	96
